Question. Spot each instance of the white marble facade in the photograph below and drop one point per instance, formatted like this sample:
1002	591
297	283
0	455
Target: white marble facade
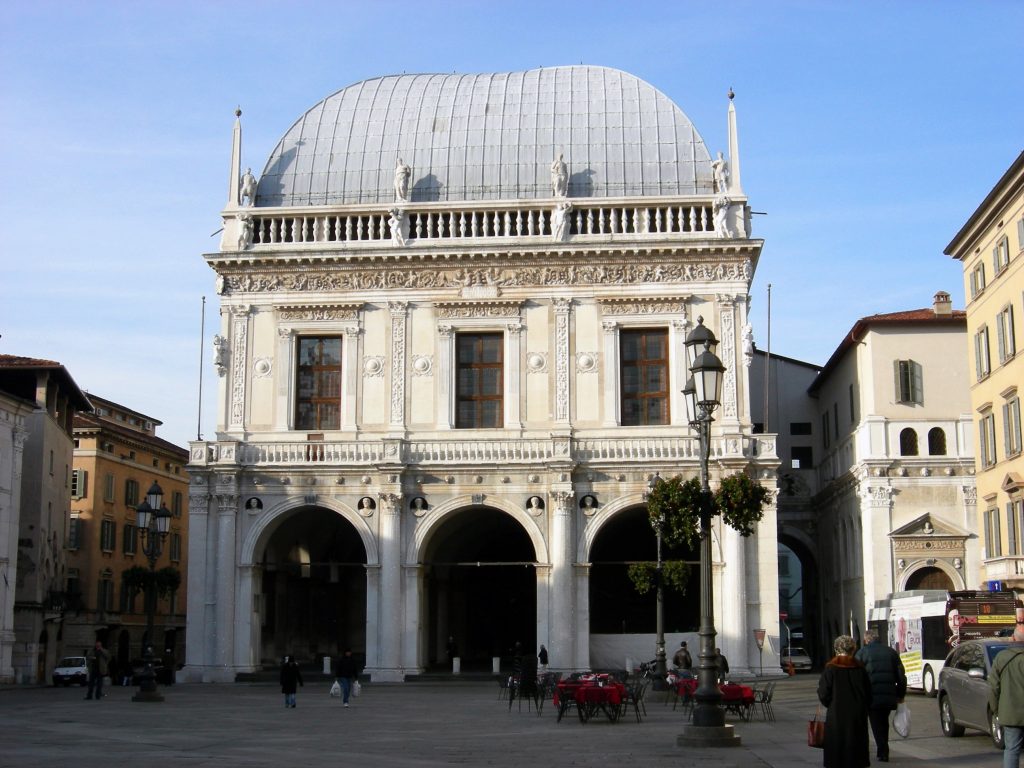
396	467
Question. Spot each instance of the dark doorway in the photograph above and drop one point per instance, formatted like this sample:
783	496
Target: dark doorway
481	589
929	578
313	589
800	598
615	605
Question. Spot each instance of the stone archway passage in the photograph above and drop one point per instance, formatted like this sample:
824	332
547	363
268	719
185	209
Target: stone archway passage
313	589
481	589
615	605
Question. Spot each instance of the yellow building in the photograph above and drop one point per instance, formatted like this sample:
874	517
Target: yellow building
991	247
118	456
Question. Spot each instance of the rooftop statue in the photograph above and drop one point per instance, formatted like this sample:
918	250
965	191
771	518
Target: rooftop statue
399	225
247	196
402	174
560	220
559	178
721	209
720	171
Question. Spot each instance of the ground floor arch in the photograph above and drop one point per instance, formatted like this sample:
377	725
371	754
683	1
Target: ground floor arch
480	589
929	577
311	588
800	596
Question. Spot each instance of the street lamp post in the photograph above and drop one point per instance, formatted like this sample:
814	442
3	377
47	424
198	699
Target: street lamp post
154	522
701	396
659	643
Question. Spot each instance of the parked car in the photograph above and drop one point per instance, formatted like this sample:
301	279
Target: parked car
71	669
963	688
798	656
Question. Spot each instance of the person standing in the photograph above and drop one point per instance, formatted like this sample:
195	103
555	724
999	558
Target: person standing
682	660
721	665
542	658
347	672
1006	697
844	689
290	678
98	660
888	687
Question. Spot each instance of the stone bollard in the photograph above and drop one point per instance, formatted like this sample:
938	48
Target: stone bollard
456	665
496	665
327	665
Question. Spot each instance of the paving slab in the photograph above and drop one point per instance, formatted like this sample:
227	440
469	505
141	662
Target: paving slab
412	725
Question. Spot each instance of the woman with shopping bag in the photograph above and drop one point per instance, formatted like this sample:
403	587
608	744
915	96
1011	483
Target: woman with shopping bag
844	689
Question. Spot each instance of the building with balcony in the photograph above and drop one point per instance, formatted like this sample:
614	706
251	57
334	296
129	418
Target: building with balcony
991	248
38	400
895	487
117	457
450	358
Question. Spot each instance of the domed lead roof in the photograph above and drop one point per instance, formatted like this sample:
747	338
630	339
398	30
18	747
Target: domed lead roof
487	137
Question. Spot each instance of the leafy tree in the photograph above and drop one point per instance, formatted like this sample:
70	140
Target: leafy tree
165	581
676	505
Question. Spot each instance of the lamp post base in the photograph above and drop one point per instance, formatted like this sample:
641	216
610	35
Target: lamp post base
708	736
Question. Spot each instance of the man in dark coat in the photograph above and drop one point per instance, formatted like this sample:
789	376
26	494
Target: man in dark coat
888	687
347	672
845	689
290	678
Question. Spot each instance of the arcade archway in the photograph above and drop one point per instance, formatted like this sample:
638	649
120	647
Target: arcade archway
480	588
313	588
615	605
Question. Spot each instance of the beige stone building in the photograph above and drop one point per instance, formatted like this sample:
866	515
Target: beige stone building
450	358
991	248
37	408
117	457
895	486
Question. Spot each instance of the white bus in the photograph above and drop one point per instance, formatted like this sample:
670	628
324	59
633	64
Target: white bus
924	625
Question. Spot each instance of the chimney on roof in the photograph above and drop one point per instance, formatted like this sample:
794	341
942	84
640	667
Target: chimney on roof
942	305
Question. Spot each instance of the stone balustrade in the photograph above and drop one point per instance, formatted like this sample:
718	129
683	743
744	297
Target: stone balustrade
473	453
1000	568
426	225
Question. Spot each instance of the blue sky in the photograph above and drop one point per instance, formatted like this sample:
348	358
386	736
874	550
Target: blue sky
869	132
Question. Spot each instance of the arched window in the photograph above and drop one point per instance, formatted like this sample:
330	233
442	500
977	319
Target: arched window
936	441
908	442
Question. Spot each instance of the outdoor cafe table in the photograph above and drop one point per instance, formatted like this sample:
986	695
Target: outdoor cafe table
735	698
591	694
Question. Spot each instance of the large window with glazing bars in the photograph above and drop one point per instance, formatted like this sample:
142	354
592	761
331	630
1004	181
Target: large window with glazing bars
479	398
643	368
318	383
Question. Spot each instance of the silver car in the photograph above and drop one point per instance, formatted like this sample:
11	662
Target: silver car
963	688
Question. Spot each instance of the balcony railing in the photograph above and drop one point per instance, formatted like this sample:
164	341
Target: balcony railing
427	225
1007	567
474	452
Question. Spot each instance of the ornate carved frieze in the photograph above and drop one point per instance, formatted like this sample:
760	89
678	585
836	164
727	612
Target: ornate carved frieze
319	312
633	306
921	546
728	339
478	309
415	277
562	309
399	312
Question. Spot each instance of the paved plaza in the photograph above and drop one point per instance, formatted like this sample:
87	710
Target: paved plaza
415	724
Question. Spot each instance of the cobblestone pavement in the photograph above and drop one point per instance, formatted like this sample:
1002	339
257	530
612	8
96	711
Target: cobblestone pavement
415	724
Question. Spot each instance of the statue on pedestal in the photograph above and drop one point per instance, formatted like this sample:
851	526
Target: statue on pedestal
402	175
721	211
247	196
720	173
559	178
560	220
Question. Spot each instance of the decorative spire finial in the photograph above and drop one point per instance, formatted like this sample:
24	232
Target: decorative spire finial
238	111
731	94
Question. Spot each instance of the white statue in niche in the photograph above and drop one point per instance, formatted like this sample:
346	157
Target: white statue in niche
244	232
559	178
399	225
220	354
248	193
748	344
560	222
721	210
720	173
402	175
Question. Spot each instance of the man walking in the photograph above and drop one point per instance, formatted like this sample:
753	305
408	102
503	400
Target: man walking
888	687
347	672
1006	697
98	660
682	659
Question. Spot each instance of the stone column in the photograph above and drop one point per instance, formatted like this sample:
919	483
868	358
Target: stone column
611	373
284	419
581	574
201	620
239	356
373	661
732	631
446	372
563	309
350	380
413	640
562	617
679	373
226	565
399	316
390	629
727	353
972	570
